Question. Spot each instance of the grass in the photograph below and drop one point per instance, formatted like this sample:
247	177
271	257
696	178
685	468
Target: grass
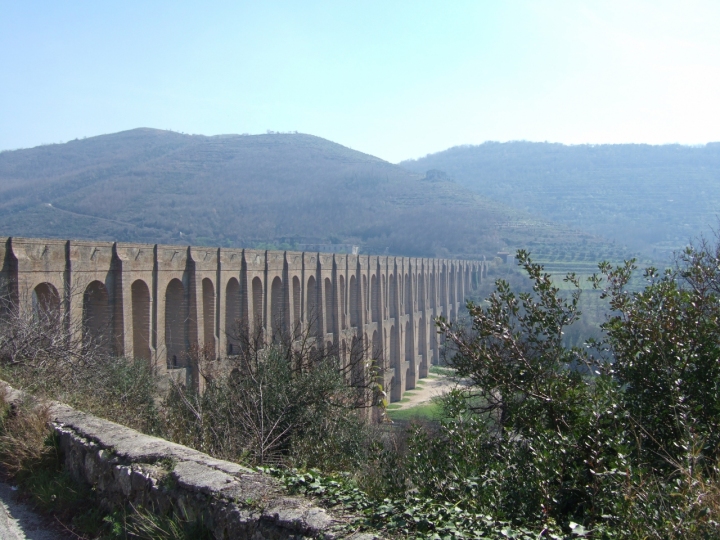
442	370
425	411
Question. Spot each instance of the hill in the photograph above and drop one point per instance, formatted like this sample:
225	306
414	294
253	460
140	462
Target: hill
274	190
651	198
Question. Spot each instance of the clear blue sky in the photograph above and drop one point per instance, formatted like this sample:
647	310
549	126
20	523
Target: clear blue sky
394	79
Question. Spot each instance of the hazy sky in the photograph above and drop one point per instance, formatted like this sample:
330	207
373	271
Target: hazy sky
394	79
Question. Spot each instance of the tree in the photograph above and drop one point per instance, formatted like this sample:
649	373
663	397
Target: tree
664	341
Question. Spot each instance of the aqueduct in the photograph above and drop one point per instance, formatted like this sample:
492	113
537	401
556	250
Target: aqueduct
158	301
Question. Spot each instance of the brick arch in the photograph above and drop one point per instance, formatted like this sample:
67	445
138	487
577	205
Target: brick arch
354	302
141	318
232	315
374	299
208	316
175	331
46	302
257	305
329	306
278	310
313	314
96	316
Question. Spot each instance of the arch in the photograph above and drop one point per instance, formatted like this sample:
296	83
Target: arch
278	313
354	302
432	290
384	297
422	346
175	314
443	287
421	292
257	305
96	316
357	365
392	297
364	293
409	357
208	302
297	302
313	312
46	303
232	315
329	304
377	349
396	388
343	311
374	299
408	295
343	356
141	324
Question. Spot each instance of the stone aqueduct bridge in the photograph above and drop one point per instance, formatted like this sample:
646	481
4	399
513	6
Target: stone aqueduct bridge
157	300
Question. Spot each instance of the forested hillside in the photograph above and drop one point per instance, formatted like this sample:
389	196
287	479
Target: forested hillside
262	190
651	198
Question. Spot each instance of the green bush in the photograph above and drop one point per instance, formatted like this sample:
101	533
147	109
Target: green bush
272	406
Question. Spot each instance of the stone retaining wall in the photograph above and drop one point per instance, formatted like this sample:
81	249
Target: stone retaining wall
125	466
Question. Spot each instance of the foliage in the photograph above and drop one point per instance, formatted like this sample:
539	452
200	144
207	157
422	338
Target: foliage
38	355
665	343
276	403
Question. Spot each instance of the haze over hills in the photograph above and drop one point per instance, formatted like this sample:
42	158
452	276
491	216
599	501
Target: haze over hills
269	190
651	198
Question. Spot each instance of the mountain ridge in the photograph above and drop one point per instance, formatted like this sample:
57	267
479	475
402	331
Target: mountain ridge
274	190
654	198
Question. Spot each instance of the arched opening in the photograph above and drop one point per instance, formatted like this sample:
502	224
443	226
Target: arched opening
383	302
443	288
392	297
374	299
421	292
343	311
232	315
408	295
46	303
343	356
410	375
354	303
329	311
208	301
364	293
422	346
278	313
257	305
396	388
175	316
377	350
313	311
432	291
141	324
357	355
297	303
96	317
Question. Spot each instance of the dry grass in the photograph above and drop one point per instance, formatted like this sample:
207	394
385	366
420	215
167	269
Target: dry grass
24	431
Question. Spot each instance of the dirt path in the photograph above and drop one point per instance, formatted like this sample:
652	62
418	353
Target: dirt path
432	386
19	522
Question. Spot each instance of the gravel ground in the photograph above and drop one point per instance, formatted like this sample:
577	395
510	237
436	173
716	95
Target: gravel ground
19	522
